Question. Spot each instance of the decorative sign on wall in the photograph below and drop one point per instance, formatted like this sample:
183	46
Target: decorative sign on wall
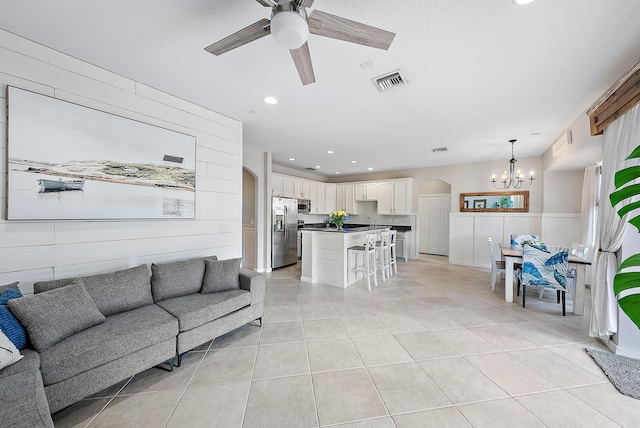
71	162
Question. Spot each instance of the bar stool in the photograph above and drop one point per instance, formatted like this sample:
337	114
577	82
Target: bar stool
368	252
392	252
382	255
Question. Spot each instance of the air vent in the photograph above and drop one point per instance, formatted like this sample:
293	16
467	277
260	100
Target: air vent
310	168
439	149
389	80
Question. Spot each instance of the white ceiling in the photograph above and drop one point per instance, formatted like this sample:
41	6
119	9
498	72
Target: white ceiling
480	72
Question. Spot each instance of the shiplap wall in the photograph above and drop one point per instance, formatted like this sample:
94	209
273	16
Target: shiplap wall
33	251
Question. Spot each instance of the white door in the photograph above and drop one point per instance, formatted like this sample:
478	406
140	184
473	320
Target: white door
434	224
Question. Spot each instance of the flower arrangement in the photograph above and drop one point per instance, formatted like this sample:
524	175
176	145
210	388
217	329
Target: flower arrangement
338	218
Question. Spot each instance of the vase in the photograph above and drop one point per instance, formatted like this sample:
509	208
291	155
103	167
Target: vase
339	226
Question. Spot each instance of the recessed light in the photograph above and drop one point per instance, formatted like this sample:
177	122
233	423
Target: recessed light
369	169
522	2
354	161
270	100
292	159
317	166
329	152
337	172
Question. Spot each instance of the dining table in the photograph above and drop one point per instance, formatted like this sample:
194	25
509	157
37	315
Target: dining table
513	254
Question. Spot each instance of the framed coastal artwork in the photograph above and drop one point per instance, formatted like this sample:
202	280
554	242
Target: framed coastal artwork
69	162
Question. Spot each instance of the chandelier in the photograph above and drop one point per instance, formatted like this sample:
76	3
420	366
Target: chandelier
512	179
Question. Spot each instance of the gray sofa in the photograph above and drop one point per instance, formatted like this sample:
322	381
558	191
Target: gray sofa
148	320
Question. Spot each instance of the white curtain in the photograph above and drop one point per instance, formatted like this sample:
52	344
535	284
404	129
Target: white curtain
620	138
588	218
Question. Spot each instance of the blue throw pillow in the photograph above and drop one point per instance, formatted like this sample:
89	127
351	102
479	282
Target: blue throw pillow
9	324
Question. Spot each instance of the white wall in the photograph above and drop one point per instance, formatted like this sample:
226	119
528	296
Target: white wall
464	178
257	162
562	191
42	250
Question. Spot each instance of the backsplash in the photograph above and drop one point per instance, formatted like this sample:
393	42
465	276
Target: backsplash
367	214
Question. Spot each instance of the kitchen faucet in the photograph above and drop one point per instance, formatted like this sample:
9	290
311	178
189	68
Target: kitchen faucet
370	220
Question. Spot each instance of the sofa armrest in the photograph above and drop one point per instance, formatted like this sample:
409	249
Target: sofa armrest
24	403
255	283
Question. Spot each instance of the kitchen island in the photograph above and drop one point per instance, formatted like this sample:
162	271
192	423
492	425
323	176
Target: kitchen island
324	254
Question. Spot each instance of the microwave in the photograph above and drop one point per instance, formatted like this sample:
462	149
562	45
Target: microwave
304	206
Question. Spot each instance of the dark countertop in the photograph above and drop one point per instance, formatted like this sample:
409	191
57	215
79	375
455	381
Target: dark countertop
352	227
346	229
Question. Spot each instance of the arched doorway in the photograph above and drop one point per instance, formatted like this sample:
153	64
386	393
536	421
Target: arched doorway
434	207
249	215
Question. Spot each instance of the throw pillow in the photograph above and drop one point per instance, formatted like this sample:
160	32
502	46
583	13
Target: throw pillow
9	354
176	278
12	286
9	324
221	275
52	316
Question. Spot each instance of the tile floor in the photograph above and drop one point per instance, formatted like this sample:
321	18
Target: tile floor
432	346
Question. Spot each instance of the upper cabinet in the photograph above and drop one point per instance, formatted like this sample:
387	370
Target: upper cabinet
393	196
366	191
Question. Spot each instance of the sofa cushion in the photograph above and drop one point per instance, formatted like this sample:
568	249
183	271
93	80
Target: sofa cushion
176	278
195	310
30	361
221	275
120	291
54	315
120	335
9	324
9	354
113	292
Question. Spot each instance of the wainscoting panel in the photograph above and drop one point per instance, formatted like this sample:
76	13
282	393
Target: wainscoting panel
468	234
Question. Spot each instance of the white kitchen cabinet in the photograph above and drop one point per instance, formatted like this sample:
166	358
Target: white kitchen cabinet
340	197
351	206
321	203
306	189
330	198
366	191
402	191
385	197
277	185
288	187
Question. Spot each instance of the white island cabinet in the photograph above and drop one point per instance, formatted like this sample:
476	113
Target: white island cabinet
324	254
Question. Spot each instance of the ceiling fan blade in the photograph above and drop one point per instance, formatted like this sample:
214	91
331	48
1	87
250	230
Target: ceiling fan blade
267	3
305	3
336	27
302	60
239	38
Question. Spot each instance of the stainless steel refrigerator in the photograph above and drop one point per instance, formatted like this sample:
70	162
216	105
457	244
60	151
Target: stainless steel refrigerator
284	229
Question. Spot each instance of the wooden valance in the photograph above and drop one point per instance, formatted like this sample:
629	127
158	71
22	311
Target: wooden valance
618	100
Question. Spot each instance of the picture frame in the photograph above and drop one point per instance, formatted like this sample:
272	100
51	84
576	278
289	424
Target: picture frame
71	162
479	204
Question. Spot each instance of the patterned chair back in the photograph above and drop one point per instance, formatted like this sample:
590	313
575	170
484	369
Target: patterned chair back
545	266
519	239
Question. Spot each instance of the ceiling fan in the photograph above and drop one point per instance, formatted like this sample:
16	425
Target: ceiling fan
291	26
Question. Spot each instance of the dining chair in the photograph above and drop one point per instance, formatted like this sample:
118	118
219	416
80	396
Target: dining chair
497	266
519	239
544	267
368	252
582	252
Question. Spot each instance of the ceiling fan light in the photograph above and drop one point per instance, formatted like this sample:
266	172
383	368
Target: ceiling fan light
290	28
